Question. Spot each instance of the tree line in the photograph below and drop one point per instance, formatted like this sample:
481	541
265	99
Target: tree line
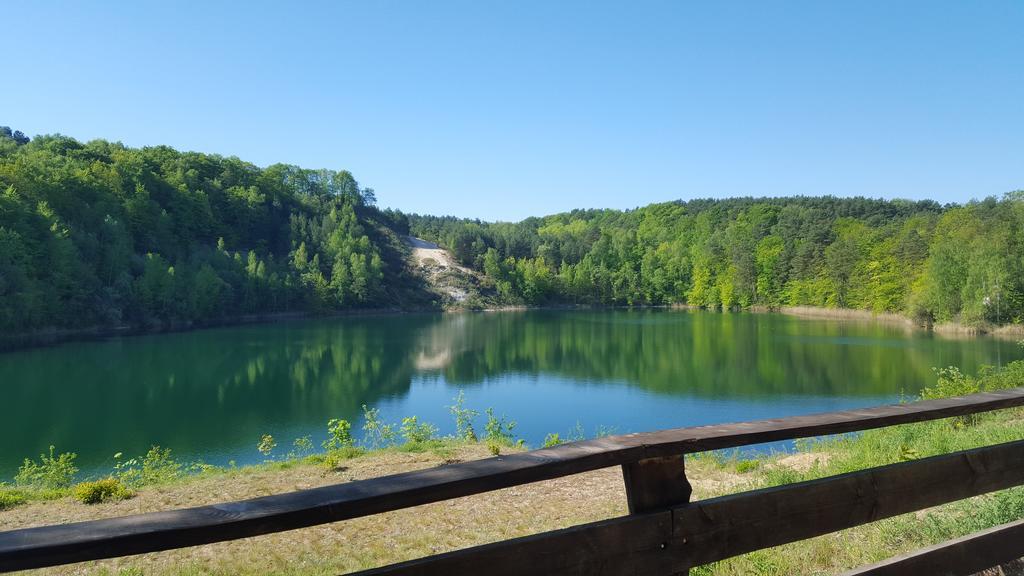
100	234
933	262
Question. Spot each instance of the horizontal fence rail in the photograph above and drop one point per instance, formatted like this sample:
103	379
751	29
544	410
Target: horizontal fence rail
967	555
680	538
664	533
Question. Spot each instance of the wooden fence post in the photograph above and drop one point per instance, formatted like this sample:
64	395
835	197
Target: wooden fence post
655	484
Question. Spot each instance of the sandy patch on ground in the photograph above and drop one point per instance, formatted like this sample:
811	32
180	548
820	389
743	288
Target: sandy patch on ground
803	461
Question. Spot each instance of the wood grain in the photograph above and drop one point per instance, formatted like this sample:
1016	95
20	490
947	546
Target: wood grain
720	528
960	557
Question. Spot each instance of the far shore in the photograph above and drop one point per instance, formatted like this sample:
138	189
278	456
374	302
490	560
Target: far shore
54	336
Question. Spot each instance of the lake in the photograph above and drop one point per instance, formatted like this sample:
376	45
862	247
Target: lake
210	394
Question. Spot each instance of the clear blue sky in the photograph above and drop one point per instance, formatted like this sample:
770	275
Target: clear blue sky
501	109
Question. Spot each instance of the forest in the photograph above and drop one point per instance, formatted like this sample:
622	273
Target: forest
98	234
934	263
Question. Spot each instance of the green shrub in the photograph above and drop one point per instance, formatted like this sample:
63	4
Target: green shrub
333	459
377	433
105	490
10	498
339	435
159	467
416	432
577	434
301	447
498	430
744	466
50	473
951	382
552	439
463	418
266	445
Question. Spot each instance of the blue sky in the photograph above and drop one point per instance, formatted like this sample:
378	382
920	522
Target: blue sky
502	110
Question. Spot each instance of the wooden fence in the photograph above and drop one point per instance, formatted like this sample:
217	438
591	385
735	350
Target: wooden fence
664	532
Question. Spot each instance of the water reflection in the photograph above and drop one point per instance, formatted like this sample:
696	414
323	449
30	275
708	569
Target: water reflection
210	394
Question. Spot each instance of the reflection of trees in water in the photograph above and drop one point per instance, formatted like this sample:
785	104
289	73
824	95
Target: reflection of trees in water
706	353
207	388
225	387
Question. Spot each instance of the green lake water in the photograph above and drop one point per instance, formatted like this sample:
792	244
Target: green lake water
209	395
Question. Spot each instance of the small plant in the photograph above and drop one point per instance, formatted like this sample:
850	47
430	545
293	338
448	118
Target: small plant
266	445
377	433
339	435
577	434
301	447
158	466
498	430
127	471
10	498
50	473
333	459
105	490
552	439
464	418
953	382
908	453
416	432
744	466
494	448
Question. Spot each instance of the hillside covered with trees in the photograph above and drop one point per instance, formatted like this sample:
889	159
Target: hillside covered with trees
99	234
934	263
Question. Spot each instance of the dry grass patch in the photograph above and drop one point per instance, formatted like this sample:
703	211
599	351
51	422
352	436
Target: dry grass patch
363	542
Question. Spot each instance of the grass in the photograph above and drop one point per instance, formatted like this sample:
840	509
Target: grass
434	528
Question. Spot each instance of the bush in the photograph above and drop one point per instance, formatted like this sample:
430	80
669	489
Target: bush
50	473
416	432
951	382
377	433
301	447
158	466
105	490
339	435
266	445
333	459
463	418
552	439
744	466
10	498
498	430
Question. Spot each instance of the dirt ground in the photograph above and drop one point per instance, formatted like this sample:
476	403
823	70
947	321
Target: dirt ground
363	542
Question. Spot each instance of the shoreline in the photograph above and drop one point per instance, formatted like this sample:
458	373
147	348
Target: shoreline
53	337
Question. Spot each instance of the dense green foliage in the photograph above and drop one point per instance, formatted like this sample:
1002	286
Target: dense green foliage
937	263
98	234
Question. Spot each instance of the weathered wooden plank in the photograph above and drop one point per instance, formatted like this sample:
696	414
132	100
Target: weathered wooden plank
656	484
960	557
732	525
61	544
720	528
633	545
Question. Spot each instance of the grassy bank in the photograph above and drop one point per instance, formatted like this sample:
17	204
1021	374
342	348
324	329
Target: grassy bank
158	483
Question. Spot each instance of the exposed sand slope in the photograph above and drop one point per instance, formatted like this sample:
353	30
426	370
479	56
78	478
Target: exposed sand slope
441	271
